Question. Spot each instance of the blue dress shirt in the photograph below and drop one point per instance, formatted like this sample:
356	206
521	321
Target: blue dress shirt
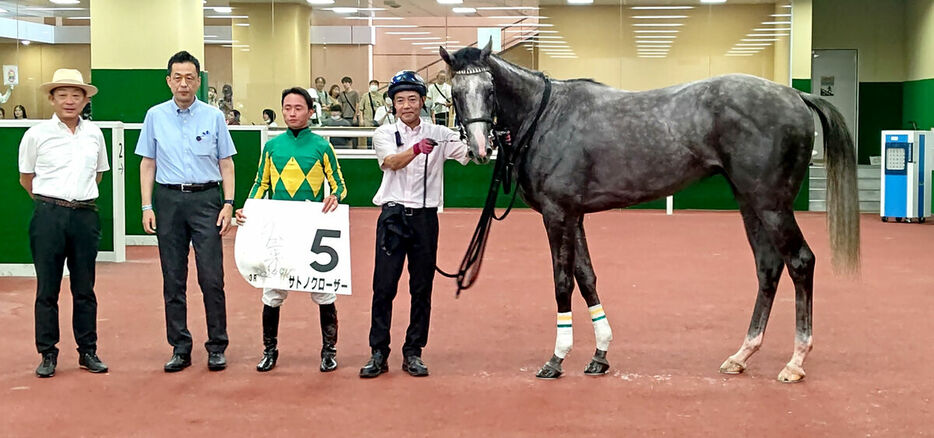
186	143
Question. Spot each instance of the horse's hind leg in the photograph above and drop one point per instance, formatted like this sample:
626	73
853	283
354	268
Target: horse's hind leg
562	233
769	267
787	238
587	282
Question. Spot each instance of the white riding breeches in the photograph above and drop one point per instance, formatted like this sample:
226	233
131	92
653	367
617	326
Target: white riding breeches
275	297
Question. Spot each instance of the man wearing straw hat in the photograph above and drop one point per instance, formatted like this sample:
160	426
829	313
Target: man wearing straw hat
61	161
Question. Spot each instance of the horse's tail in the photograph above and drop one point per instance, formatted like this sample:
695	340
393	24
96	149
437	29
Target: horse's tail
842	191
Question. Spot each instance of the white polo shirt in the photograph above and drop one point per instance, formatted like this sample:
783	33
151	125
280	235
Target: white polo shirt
65	164
406	185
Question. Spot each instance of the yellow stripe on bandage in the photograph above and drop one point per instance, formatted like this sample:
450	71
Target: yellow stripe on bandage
596	311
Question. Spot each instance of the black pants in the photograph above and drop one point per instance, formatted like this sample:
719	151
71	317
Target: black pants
183	219
421	247
59	235
441	119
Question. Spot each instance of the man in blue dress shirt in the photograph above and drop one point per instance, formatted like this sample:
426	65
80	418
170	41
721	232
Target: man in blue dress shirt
186	149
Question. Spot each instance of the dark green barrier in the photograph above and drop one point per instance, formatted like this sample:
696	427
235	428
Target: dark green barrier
248	150
126	95
18	207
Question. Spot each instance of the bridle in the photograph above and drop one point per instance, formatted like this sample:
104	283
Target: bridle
503	176
462	124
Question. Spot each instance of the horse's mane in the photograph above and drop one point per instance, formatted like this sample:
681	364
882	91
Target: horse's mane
472	57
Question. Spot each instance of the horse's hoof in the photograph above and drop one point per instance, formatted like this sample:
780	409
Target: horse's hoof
595	368
548	373
791	374
598	365
731	366
551	370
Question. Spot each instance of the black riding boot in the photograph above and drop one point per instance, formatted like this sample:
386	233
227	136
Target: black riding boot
328	337
270	338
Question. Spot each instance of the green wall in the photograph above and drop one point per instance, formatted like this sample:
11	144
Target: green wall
248	150
466	186
880	109
18	206
126	95
918	97
801	85
361	177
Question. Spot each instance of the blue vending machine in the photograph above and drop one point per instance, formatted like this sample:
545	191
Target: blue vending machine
907	165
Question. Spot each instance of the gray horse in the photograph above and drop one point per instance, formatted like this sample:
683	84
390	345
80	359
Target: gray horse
590	148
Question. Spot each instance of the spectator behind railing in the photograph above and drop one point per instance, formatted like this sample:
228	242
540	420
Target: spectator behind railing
337	120
19	112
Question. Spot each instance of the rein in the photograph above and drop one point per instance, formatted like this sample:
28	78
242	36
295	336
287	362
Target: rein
503	176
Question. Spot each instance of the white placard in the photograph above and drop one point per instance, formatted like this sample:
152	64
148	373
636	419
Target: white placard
10	75
292	245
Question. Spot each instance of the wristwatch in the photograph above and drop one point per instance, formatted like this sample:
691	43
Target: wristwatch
229	202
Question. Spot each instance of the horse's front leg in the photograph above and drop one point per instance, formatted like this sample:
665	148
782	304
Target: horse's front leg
561	229
587	282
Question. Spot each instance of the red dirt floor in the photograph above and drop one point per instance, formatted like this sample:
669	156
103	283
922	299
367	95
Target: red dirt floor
678	291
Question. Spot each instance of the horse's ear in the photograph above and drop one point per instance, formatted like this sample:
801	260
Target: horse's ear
444	55
485	53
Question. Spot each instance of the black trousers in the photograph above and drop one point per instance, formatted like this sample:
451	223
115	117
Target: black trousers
441	119
59	235
420	245
183	219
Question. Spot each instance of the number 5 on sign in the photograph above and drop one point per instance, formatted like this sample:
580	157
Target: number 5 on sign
292	245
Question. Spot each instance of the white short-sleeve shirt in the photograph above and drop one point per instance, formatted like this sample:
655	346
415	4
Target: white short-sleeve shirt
406	185
65	164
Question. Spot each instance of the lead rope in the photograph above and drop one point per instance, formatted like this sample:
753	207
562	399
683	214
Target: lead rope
469	269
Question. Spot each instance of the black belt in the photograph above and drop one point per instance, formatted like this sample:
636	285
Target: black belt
86	204
192	187
410	211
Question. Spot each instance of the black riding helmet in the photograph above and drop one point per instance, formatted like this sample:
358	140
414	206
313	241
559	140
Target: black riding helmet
407	80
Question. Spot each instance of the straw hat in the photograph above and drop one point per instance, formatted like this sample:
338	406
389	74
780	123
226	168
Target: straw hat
67	77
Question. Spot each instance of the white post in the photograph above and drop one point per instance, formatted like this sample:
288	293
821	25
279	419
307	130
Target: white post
669	205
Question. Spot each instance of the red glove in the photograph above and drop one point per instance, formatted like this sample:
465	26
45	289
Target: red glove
424	147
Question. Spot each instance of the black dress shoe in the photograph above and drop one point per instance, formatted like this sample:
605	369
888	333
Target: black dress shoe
47	367
178	362
328	358
92	363
216	361
375	366
414	366
268	361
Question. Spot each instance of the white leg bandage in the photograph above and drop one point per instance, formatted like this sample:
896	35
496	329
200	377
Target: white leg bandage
565	338
601	327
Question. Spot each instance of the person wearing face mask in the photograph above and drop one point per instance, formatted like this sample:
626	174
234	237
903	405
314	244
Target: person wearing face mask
269	118
366	107
384	114
336	119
